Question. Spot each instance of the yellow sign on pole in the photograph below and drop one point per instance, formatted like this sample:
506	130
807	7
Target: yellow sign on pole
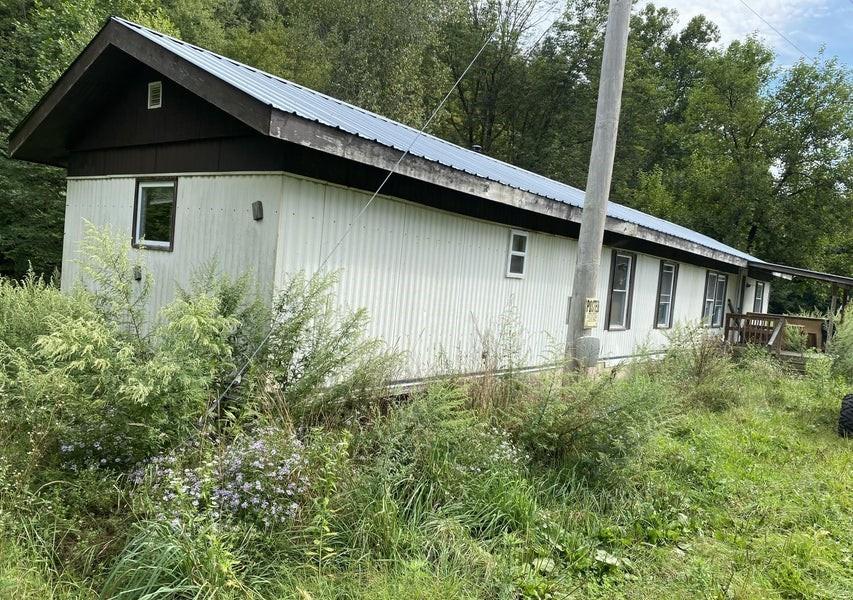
590	315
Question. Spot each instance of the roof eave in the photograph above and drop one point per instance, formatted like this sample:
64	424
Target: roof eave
22	132
777	270
269	121
221	94
305	132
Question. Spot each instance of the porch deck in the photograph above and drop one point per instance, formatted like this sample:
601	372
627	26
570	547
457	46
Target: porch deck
768	330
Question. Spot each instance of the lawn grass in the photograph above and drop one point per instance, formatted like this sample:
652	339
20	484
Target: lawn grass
771	491
754	501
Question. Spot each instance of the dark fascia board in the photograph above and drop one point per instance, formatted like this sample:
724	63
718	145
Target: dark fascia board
766	271
304	132
282	125
223	95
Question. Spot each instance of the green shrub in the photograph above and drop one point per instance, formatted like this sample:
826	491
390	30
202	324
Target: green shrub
237	300
699	364
695	356
259	478
318	366
433	456
796	339
592	424
107	279
92	389
87	396
841	346
29	307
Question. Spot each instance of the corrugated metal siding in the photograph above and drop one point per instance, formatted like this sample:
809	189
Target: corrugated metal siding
102	202
434	283
213	223
306	103
687	306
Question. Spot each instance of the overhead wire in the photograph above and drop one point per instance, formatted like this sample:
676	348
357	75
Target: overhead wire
779	33
239	374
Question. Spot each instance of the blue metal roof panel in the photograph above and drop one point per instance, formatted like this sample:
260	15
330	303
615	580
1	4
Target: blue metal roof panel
309	104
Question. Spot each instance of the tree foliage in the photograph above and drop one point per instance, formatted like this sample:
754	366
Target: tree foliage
718	138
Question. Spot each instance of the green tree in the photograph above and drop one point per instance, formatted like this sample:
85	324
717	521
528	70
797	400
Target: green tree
718	139
40	39
485	99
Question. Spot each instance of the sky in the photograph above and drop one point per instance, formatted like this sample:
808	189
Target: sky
809	24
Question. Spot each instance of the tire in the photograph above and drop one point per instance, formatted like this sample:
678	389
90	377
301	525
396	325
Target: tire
845	419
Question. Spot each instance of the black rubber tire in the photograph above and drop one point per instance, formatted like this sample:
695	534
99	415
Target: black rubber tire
845	418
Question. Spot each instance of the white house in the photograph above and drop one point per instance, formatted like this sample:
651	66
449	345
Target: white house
196	156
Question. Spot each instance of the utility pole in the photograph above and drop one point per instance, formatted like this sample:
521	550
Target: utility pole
582	348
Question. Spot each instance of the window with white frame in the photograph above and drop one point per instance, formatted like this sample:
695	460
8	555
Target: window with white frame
621	292
666	294
714	307
758	302
154	214
516	265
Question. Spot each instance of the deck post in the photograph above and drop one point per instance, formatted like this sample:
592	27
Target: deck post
833	306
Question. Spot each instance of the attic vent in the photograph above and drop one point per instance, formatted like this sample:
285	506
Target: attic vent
155	94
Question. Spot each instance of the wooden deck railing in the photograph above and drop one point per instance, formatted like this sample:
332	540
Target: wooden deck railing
759	330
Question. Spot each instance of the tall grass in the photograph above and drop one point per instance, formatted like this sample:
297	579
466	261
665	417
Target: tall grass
841	346
696	474
193	560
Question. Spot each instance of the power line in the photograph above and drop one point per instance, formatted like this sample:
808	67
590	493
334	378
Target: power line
782	35
547	29
388	176
408	149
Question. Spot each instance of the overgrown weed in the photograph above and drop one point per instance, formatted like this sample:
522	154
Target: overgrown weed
694	474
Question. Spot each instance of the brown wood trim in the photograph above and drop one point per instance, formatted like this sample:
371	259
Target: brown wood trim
214	90
630	298
672	297
133	241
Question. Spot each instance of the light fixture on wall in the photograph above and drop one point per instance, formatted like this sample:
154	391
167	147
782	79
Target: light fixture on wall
257	210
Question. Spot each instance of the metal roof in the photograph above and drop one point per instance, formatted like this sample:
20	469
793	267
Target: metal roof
308	104
777	270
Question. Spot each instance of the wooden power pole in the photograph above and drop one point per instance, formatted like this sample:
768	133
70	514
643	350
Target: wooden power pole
582	348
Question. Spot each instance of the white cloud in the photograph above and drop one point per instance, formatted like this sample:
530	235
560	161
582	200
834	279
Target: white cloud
736	20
